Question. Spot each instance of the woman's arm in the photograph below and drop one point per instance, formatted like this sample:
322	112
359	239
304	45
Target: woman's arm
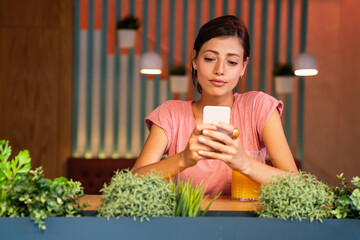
278	150
152	152
155	146
276	144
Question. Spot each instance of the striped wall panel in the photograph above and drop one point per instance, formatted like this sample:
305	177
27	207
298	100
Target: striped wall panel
111	98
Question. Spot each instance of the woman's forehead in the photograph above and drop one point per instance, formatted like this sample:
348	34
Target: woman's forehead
224	45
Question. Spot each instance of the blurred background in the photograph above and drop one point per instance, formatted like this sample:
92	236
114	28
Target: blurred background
67	89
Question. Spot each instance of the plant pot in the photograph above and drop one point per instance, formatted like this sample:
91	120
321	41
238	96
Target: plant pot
126	38
179	83
284	84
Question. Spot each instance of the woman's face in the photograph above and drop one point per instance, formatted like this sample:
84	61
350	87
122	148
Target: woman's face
220	65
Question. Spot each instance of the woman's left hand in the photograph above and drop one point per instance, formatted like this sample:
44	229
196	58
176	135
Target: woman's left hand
226	148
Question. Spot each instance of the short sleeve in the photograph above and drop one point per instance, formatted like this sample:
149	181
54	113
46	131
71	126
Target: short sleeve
264	106
161	116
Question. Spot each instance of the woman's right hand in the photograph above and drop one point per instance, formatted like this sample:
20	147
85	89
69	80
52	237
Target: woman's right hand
190	153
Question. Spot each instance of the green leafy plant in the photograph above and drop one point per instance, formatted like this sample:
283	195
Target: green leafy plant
26	193
129	22
347	198
283	69
296	197
129	195
178	70
12	170
189	199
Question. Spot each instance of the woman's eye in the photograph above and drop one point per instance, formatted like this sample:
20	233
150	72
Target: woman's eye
232	63
209	59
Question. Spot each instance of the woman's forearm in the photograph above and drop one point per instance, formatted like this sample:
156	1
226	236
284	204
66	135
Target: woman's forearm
263	173
169	167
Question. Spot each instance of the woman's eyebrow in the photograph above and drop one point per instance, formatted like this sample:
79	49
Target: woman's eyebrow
217	53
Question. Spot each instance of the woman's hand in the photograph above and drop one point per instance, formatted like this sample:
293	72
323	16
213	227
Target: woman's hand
191	153
220	145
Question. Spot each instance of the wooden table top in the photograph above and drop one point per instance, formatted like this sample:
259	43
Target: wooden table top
222	203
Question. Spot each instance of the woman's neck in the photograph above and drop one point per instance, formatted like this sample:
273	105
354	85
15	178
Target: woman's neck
206	100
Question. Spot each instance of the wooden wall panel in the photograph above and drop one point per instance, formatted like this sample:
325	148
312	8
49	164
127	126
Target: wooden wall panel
30	91
65	85
29	13
36	80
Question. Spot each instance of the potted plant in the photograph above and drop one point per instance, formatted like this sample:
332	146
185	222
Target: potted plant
126	31
27	193
300	197
284	78
178	79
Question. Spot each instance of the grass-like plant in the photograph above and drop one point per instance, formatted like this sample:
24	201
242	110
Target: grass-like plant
189	199
296	197
145	196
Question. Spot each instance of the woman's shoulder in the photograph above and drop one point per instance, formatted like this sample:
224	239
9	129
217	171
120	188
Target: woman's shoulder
258	101
168	112
174	108
174	105
253	96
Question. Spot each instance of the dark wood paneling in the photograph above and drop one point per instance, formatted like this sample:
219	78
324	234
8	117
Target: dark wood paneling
29	13
65	87
36	80
29	92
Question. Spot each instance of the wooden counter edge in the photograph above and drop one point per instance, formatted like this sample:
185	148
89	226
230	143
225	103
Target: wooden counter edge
222	203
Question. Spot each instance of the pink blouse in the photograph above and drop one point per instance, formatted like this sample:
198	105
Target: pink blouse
250	113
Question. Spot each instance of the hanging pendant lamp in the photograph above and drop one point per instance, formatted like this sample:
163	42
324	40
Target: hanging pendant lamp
305	65
151	63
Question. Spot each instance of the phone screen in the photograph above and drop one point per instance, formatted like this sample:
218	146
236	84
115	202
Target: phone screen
216	114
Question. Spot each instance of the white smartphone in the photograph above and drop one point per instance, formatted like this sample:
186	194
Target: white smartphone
216	114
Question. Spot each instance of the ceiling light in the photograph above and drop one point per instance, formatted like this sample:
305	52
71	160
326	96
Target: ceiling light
305	65
150	63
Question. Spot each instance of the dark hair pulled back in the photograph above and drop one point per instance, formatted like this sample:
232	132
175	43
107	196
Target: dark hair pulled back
228	25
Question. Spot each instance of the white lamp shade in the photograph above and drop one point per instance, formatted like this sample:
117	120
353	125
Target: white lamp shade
305	65
151	63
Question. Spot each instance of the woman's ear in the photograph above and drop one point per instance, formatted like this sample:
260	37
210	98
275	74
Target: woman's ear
193	61
245	63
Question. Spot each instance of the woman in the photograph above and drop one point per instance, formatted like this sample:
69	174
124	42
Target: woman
195	149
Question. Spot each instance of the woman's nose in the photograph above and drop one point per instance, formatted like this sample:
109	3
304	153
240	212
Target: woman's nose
219	68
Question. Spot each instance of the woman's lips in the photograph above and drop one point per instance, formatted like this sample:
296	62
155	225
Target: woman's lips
217	82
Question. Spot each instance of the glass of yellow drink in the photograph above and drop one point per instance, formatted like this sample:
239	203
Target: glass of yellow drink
242	188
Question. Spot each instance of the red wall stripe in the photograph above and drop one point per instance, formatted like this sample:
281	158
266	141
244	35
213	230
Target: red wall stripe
245	19
84	14
205	9
178	31
125	8
190	39
165	37
219	8
138	13
97	14
151	25
232	7
111	27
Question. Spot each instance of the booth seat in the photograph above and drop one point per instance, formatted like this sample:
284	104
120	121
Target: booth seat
94	172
